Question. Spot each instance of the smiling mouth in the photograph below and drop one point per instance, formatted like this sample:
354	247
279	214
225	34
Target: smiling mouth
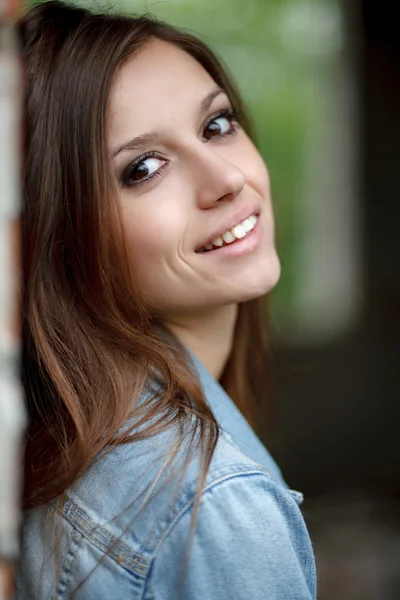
238	232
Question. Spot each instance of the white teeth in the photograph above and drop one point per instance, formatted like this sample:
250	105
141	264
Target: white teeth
247	225
236	233
239	232
228	237
217	242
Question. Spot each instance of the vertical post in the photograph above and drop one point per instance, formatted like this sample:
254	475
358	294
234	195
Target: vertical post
12	416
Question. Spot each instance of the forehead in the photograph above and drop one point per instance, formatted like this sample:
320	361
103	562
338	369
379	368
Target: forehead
155	86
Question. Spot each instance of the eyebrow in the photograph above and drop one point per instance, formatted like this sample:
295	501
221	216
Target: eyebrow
145	139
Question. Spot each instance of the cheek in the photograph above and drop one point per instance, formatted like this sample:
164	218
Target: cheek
146	237
154	238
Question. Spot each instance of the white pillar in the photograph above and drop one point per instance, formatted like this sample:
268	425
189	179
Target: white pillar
12	414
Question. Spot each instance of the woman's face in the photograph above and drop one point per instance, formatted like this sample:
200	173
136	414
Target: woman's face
188	176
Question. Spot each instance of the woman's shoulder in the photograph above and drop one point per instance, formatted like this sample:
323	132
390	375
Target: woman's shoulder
159	476
156	475
132	512
137	494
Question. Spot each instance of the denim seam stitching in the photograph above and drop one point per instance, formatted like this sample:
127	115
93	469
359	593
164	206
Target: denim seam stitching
104	541
67	567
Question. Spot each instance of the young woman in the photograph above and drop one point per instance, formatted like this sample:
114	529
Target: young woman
148	243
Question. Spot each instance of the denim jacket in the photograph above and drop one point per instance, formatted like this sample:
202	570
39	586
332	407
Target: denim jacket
126	525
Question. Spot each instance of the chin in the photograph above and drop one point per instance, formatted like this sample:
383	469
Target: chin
250	287
265	281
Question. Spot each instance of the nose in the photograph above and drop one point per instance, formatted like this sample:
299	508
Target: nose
217	179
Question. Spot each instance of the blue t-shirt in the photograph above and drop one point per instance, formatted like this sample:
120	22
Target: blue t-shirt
125	532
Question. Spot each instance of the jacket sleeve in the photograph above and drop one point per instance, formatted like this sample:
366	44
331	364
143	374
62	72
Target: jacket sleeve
250	542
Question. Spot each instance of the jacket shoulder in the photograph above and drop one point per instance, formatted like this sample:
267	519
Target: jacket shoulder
117	519
250	541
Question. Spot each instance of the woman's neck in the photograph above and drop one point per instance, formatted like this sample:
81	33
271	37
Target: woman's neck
209	335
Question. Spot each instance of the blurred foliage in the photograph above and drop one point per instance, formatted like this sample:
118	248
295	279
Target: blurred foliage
277	50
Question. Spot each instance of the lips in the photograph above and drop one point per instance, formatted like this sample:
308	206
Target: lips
237	227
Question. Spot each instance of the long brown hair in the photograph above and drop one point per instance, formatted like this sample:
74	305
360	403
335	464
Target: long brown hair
90	346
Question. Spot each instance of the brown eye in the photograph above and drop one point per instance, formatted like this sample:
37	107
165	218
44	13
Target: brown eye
145	168
142	170
219	126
